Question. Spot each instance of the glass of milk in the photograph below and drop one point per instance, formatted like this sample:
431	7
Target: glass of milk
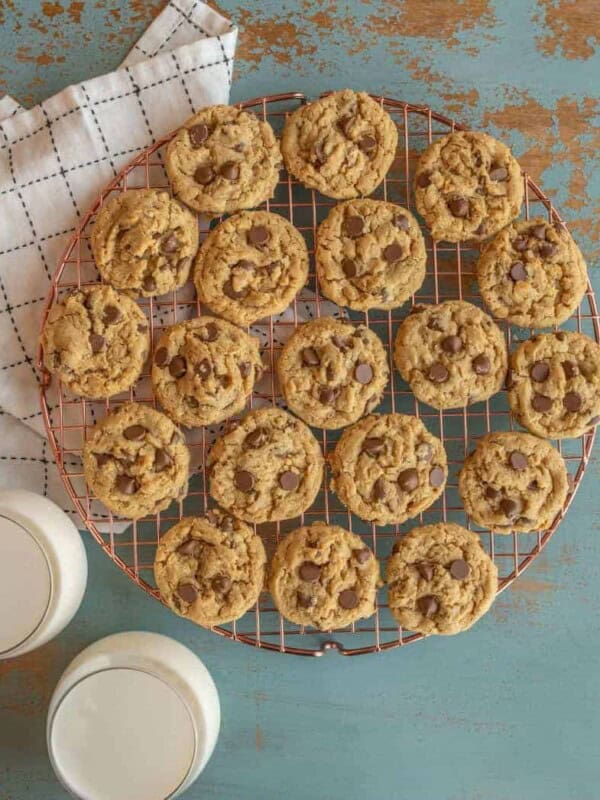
135	716
43	571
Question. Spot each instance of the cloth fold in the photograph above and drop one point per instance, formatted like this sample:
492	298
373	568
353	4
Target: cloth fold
54	160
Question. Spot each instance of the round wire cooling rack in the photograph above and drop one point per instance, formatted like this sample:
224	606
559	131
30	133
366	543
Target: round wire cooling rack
450	275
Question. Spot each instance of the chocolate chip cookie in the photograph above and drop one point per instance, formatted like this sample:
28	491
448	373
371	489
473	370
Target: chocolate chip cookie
513	482
250	266
324	576
204	369
96	341
268	468
451	354
554	384
468	185
388	468
211	569
370	254
223	160
440	579
331	372
343	144
532	274
136	461
144	241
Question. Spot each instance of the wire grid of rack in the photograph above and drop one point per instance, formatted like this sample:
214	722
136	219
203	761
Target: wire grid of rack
450	275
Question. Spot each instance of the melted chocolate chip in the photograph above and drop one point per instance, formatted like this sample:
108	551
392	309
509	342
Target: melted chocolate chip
162	460
209	333
401	222
481	364
187	592
230	171
134	433
305	600
367	143
310	357
363	373
309	571
191	547
289	480
518	460
539	371
393	252
425	570
539	231
423	180
348	599
408	479
452	344
511	508
102	458
379	489
438	373
491	493
198	135
353	227
149	284
518	272
244	481
520	244
178	367
362	555
459	206
327	395
427	605
126	484
541	402
258	235
498	172
97	342
170	243
373	445
111	315
221	584
204	174
436	477
350	267
572	401
459	569
548	249
570	369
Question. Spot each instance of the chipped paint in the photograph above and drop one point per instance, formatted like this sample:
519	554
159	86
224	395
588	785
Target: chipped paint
571	27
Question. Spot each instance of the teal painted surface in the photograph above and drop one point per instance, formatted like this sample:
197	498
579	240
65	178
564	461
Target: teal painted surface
508	711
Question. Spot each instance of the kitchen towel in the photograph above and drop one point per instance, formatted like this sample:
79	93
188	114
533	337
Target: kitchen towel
54	160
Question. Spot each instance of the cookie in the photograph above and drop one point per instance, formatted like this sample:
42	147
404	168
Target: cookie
136	461
370	254
204	369
331	372
250	266
144	241
211	569
513	482
269	467
324	576
554	384
223	160
451	354
532	274
440	579
468	185
96	341
343	144
388	468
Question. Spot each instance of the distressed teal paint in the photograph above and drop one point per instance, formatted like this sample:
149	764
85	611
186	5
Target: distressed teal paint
509	711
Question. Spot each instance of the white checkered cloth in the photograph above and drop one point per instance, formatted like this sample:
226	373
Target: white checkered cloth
54	160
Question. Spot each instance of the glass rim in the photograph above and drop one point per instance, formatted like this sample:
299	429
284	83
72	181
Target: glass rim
62	778
42	619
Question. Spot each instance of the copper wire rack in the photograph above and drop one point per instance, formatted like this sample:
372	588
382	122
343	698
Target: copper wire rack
450	275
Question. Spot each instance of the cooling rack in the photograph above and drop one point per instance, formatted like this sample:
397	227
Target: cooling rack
450	275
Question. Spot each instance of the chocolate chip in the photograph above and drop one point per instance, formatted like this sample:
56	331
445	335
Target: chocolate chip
491	493
244	481
149	284
256	438
518	460
96	342
353	226
548	249
570	369
221	584
310	357
305	600
511	508
178	367
203	368
433	324
103	458
459	569
362	555
198	134
373	445
230	171
481	364
436	477
423	180
327	395
572	401
231	292
111	315
520	244
244	263
408	479
162	460
427	605
330	372
349	267
309	571
541	403
438	373
539	231
498	172
204	174
126	484
363	373
379	489
345	124
134	433
452	344
561	336
533	486
425	570
348	599
161	357
401	222
480	229
367	143
424	452
191	547
258	235
187	592
518	272
289	480
459	206
210	332
539	371
393	252
170	243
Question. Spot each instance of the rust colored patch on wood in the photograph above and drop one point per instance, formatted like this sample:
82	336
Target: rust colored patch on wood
52	9
74	11
572	27
283	39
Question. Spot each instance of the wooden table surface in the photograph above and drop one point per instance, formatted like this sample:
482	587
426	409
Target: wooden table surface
510	710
